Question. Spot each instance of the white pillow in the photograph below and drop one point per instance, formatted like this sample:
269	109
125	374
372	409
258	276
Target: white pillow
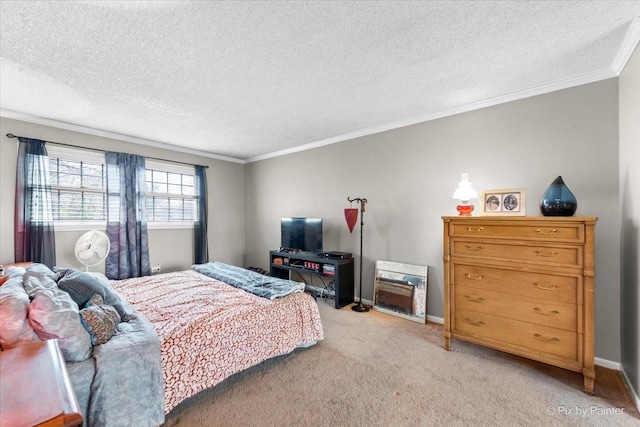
33	281
15	329
14	270
53	314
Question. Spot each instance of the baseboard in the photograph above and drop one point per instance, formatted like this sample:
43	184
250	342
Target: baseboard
430	318
634	393
608	364
435	319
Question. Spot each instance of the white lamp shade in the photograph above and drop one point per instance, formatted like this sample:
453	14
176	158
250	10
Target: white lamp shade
465	191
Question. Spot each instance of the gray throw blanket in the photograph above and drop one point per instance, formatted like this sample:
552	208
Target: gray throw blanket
250	281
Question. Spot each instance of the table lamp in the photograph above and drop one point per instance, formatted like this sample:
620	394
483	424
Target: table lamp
465	193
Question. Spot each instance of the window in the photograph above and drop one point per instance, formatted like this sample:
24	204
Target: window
78	187
171	193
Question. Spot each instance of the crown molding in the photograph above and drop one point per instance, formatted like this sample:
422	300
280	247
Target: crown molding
527	93
629	44
112	135
631	40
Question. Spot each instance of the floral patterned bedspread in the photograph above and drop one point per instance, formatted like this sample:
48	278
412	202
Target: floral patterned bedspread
209	330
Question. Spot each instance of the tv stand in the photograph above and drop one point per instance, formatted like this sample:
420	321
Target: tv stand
283	262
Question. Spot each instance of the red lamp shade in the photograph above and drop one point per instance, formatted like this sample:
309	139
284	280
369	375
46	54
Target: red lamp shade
351	215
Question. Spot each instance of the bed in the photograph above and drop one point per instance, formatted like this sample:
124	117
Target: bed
180	332
209	330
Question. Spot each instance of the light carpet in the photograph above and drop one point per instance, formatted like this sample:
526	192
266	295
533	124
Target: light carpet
374	369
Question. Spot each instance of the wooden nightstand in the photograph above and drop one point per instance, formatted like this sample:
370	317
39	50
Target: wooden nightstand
35	387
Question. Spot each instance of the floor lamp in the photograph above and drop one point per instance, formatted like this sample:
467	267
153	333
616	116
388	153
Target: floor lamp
351	215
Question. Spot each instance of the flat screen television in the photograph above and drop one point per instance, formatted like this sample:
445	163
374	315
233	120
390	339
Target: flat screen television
301	234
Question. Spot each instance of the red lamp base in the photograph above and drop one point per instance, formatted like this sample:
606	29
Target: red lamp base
465	210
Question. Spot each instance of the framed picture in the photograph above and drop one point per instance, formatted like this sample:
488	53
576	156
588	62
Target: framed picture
401	290
503	202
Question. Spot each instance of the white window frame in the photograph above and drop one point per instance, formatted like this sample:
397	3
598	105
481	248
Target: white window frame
85	155
77	154
174	168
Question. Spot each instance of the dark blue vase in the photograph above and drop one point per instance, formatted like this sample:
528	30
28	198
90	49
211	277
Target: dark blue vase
558	200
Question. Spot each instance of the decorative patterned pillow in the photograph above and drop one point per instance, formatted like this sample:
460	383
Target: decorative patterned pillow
14	308
82	286
99	319
53	314
128	308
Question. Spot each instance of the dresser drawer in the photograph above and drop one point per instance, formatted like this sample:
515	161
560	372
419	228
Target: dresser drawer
542	312
569	233
527	335
562	256
526	284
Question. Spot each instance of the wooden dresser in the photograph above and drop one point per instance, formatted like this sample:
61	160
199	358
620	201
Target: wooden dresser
523	285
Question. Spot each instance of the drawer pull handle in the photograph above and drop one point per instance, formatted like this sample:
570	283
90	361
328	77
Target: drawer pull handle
478	277
471	299
545	288
550	340
550	232
475	248
550	254
479	229
471	322
551	313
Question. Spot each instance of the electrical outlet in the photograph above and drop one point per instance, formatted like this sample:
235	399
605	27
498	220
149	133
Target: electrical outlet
155	269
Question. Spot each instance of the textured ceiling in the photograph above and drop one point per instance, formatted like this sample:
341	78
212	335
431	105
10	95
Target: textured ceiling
250	79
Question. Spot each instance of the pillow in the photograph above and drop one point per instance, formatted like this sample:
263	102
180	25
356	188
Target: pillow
128	308
99	319
15	329
53	314
40	268
14	270
33	281
19	268
82	286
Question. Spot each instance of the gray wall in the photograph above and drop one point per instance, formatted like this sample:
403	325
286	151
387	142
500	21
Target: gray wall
170	249
630	211
409	175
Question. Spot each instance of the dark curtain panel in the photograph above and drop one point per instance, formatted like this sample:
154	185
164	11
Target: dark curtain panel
200	227
34	234
126	217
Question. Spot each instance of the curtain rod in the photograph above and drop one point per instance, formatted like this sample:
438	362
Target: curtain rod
10	135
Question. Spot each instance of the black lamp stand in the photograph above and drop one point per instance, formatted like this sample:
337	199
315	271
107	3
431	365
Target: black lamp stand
359	307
